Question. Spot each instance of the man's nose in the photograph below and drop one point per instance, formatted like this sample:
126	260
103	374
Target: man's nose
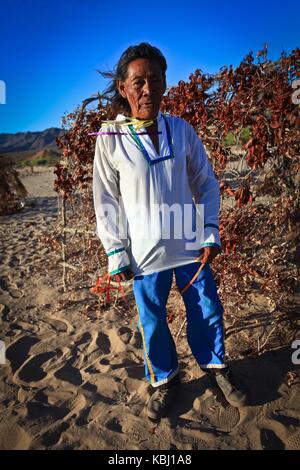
147	88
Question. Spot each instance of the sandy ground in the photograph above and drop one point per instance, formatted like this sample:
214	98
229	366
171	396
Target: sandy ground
73	381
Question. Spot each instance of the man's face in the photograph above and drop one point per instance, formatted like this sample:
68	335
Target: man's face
143	88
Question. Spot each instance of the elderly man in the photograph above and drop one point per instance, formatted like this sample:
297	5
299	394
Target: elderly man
149	166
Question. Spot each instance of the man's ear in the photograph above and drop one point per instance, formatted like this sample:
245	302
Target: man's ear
121	88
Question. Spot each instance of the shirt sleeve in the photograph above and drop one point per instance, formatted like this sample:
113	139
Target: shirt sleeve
204	186
110	216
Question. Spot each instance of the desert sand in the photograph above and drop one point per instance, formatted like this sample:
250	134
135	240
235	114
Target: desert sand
74	380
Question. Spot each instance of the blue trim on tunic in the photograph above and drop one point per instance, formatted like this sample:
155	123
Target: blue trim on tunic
120	270
141	146
118	250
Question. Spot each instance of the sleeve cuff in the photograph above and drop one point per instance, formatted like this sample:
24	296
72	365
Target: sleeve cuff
211	236
118	260
120	270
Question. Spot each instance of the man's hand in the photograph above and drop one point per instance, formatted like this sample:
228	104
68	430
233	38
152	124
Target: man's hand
208	253
123	276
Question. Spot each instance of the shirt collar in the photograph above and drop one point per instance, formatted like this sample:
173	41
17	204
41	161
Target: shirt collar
121	117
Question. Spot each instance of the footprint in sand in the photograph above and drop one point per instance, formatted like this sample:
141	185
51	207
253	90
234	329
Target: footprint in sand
90	347
103	343
114	424
216	415
13	437
86	342
10	288
51	411
293	441
274	435
193	437
69	400
285	428
59	324
39	368
125	334
88	351
69	374
18	352
54	435
32	371
21	327
269	440
40	411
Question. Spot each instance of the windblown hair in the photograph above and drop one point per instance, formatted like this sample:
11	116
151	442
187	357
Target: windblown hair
143	50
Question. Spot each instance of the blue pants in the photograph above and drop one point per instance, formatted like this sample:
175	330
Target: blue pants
204	320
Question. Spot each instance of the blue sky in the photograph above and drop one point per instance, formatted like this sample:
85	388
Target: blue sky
50	49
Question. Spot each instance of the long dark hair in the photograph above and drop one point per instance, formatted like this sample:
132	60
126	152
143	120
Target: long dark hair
143	50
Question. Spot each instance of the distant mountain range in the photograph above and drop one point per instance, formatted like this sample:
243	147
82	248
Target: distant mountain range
30	141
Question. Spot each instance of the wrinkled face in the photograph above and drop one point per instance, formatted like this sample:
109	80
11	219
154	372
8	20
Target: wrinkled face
143	88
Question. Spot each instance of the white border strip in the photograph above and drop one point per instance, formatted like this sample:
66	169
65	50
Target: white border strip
166	380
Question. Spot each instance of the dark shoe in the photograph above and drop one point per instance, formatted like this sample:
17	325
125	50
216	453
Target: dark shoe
226	383
162	398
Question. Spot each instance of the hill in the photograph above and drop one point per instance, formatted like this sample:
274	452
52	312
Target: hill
30	148
24	141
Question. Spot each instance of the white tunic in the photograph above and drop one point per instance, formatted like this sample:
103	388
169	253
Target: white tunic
147	211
